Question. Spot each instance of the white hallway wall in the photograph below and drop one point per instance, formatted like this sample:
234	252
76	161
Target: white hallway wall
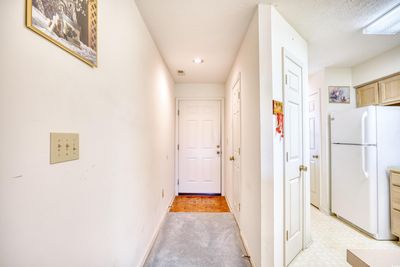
259	63
103	209
247	65
199	90
277	34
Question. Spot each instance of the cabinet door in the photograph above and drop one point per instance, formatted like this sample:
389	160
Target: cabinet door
390	90
368	95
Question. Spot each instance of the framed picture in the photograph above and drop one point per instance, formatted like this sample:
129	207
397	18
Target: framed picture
70	24
339	94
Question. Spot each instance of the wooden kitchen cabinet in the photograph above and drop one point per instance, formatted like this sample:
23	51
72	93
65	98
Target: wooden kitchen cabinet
395	201
389	90
368	95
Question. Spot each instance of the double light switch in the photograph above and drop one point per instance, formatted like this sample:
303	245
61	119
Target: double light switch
64	147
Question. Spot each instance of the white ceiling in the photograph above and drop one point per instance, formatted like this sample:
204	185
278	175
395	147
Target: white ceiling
214	30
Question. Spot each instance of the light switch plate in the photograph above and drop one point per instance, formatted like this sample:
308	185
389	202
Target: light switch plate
64	147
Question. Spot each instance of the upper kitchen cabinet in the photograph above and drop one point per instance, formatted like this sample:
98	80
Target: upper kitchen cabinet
385	92
389	90
368	95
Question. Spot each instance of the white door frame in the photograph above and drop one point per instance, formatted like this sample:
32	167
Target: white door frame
222	112
236	212
318	91
306	177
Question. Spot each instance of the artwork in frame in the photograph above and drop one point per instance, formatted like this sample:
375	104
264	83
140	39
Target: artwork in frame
70	24
339	94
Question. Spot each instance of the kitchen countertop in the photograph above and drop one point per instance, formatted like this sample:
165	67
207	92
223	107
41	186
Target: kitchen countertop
373	257
395	169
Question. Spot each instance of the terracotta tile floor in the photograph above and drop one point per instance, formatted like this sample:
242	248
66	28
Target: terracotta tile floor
199	204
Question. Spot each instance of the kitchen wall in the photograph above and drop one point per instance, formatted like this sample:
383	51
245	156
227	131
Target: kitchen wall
247	66
277	34
321	81
199	90
103	209
383	65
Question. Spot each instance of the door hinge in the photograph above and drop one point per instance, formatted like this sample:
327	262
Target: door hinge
177	146
239	206
239	95
239	151
178	181
285	78
287	156
287	235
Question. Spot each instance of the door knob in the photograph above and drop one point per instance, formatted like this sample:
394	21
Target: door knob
218	152
303	168
232	158
315	156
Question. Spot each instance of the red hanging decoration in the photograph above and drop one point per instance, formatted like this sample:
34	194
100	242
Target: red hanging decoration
279	128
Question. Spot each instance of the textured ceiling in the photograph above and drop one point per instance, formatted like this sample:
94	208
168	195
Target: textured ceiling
333	29
214	29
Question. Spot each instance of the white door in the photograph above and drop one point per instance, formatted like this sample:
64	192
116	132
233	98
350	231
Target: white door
315	137
294	158
199	147
235	158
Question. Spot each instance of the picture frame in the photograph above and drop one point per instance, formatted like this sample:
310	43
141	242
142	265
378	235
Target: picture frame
339	94
277	107
69	24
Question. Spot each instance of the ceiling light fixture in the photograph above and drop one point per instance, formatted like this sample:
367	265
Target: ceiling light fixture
181	72
388	24
198	60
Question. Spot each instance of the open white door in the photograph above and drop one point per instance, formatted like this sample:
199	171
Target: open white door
315	138
236	142
293	105
199	156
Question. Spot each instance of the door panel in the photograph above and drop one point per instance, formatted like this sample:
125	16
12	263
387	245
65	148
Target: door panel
354	192
294	159
199	147
236	143
368	95
314	124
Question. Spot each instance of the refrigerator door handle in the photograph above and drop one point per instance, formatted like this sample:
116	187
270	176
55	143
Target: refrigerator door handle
363	123
363	163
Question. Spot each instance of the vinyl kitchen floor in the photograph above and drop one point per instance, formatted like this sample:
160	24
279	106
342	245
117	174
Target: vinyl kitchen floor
331	238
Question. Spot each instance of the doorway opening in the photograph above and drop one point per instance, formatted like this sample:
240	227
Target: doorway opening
199	169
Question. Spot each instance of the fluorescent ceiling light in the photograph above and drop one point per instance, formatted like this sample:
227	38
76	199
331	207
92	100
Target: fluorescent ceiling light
388	24
198	60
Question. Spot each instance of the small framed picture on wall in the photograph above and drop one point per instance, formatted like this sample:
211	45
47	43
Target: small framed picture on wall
339	94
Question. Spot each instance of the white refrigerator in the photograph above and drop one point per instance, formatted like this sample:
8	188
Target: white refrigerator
365	142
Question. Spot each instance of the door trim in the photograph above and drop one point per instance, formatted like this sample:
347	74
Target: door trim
318	91
236	213
305	178
222	114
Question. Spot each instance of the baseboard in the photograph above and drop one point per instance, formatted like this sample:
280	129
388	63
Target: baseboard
155	234
246	247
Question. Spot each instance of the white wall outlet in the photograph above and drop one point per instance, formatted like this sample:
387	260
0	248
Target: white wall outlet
64	147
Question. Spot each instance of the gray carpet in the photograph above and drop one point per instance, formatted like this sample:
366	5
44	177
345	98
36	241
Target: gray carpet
198	240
